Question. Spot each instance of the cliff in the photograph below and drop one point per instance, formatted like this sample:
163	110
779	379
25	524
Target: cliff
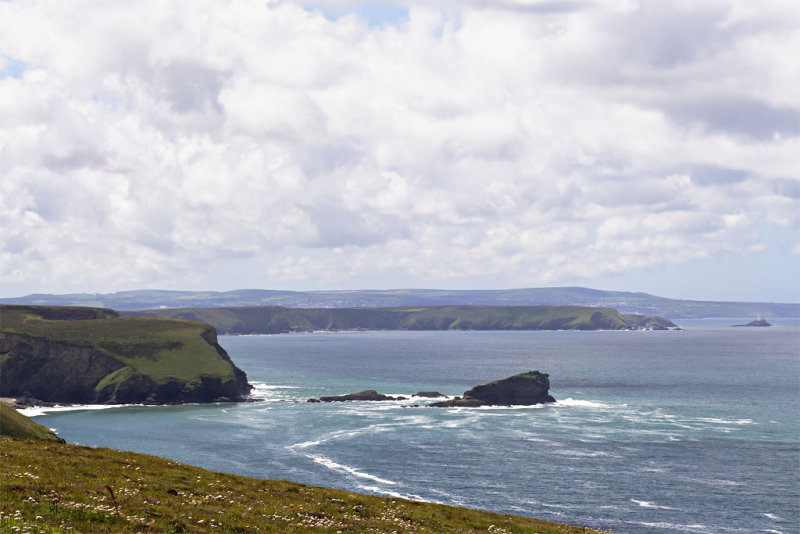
84	356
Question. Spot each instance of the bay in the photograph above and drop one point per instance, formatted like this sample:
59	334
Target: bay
654	431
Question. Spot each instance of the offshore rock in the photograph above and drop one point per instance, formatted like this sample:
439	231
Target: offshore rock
523	389
366	395
428	394
757	322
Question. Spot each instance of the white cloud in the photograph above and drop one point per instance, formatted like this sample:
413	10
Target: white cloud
150	143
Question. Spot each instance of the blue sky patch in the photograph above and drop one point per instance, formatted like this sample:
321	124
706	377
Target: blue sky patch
13	68
376	15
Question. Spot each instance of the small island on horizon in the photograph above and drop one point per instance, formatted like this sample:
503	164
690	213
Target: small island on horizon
759	322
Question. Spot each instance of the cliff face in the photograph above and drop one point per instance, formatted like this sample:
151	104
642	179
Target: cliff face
100	358
51	371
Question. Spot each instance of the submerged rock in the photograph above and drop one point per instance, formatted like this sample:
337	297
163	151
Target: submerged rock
428	394
366	395
523	389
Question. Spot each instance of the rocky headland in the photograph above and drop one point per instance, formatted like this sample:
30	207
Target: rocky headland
92	356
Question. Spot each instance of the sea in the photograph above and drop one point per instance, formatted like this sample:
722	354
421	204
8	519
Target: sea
694	430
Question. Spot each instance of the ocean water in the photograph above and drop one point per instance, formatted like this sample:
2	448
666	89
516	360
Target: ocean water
654	431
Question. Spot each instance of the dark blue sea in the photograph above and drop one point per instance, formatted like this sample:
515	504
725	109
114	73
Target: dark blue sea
654	431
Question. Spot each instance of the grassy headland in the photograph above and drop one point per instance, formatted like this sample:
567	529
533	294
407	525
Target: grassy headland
89	355
56	487
275	319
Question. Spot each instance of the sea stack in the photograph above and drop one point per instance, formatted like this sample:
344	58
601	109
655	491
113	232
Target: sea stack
523	389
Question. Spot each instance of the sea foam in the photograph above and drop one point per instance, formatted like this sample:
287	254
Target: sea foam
334	466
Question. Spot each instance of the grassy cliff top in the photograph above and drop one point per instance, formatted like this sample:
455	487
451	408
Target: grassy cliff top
161	349
51	487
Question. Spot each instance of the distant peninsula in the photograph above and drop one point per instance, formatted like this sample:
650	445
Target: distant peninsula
276	319
92	356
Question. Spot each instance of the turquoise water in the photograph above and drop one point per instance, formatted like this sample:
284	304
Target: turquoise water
678	431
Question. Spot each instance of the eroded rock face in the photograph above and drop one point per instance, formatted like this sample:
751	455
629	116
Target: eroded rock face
49	355
523	389
52	371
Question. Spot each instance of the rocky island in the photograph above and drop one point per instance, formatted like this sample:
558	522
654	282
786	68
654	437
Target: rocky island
758	323
92	356
523	389
366	395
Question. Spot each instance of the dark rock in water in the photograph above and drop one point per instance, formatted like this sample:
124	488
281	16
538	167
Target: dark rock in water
367	395
757	322
428	394
523	389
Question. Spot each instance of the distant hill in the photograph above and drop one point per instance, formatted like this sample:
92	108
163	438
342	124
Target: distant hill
623	301
276	319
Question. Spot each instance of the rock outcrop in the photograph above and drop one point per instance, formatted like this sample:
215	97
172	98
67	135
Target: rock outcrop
523	389
366	395
428	394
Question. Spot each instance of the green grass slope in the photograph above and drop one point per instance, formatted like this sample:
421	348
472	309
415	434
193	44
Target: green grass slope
105	358
51	487
274	319
16	425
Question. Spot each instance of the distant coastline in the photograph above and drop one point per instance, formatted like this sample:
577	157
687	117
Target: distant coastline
625	301
275	319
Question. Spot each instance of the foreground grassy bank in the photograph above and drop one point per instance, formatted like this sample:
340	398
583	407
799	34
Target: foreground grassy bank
56	487
16	425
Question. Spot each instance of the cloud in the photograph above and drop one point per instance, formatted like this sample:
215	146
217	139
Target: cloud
518	143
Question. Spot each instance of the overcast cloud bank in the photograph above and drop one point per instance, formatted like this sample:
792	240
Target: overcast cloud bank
274	144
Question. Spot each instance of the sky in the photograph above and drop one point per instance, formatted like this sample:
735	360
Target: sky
207	145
